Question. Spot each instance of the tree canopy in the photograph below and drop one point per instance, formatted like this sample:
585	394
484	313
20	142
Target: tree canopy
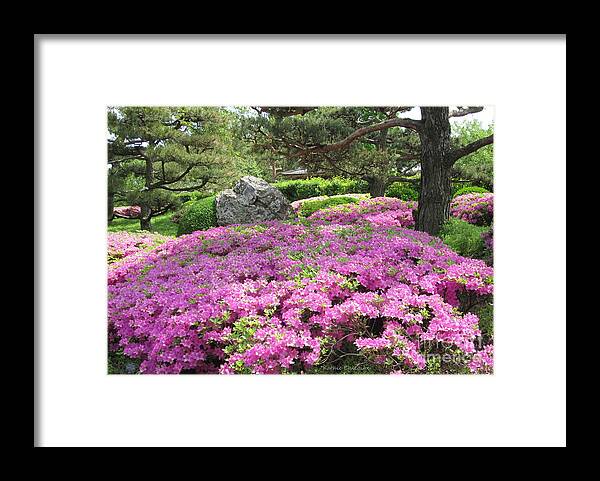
156	152
302	136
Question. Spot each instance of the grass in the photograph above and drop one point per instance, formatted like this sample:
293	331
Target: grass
161	224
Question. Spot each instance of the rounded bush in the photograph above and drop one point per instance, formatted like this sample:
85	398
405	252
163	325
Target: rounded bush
402	190
299	189
470	190
307	208
476	209
198	215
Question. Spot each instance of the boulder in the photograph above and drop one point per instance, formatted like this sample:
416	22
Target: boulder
250	201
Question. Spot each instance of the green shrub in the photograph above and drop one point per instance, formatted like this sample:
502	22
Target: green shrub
191	196
455	185
307	208
295	190
472	189
198	215
308	188
402	190
338	185
485	313
464	238
119	363
334	186
298	189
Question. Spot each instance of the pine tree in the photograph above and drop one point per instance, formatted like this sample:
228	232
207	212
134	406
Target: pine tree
298	134
156	152
354	141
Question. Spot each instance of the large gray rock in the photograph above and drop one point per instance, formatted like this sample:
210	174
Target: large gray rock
251	200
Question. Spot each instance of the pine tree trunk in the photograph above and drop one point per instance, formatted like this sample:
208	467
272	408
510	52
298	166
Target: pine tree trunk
377	186
111	206
145	220
146	210
435	196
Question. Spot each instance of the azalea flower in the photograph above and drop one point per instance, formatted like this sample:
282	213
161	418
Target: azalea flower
289	297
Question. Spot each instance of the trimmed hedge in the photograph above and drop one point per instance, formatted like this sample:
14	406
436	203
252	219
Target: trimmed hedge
464	238
408	190
295	190
402	190
198	215
308	208
191	196
470	190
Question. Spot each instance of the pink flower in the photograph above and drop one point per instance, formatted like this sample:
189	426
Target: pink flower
473	208
287	297
483	361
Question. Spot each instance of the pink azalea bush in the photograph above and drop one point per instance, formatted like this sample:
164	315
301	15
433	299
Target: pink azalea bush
296	205
488	238
483	361
476	209
383	211
351	282
125	244
128	212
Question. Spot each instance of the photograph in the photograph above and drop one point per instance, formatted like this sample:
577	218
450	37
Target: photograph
300	240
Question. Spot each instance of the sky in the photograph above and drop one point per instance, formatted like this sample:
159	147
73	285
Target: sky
485	117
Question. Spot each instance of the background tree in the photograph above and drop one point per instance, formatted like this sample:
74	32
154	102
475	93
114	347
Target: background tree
248	158
156	152
293	135
477	167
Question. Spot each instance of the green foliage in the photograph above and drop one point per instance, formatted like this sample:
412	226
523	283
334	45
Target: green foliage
402	190
338	185
118	363
464	238
281	131
299	189
161	224
478	166
457	185
434	365
470	190
314	187
242	334
485	313
198	215
192	196
307	208
415	187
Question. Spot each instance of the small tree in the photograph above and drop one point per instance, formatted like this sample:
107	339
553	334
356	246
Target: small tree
155	152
